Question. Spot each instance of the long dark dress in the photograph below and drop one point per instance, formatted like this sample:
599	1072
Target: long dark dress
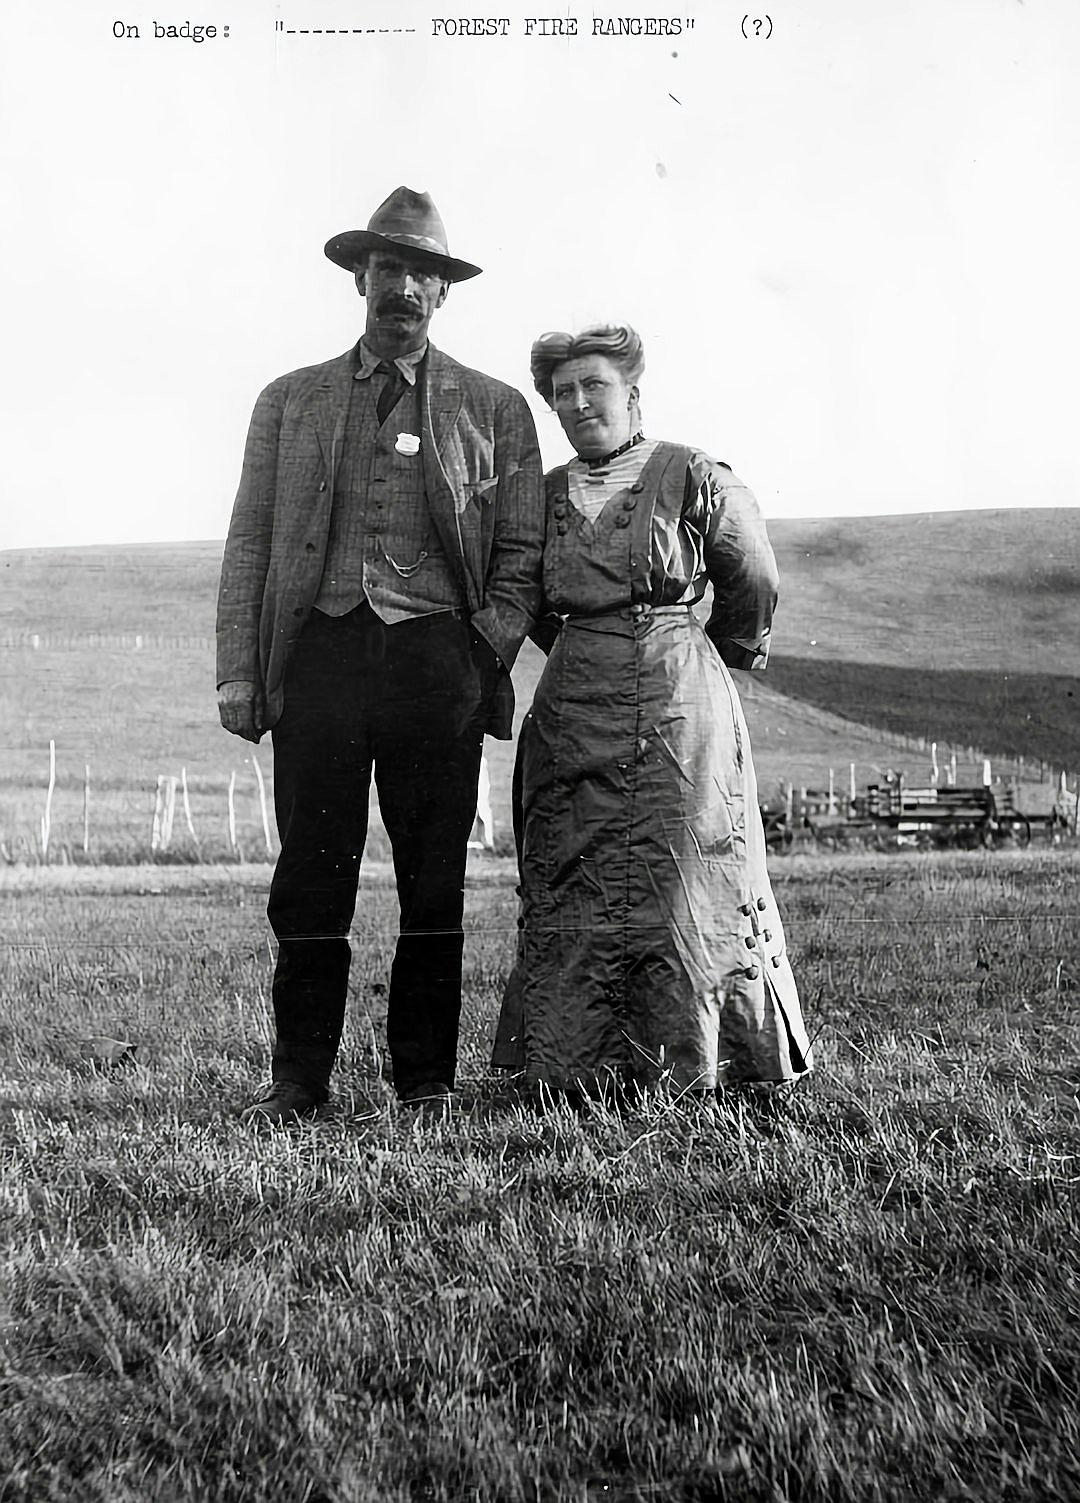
651	944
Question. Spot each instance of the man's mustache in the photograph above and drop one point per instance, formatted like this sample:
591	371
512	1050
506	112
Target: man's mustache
391	305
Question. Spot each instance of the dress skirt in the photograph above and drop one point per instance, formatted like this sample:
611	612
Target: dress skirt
651	947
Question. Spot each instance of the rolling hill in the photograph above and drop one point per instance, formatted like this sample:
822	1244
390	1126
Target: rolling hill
961	627
890	628
988	590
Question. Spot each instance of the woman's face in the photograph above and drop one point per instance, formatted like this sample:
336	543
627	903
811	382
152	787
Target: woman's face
595	404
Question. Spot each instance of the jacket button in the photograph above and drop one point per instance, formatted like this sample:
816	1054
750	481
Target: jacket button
299	611
629	503
623	521
562	529
310	547
776	960
322	485
750	942
637	487
762	904
750	972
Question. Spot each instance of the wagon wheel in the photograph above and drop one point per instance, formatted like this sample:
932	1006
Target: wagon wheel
986	834
1020	830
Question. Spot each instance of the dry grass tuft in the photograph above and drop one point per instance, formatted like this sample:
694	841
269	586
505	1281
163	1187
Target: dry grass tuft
868	1291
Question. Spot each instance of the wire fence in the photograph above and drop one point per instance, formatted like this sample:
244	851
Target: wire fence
164	816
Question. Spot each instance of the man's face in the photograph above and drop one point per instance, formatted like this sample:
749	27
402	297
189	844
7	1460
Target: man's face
594	402
402	293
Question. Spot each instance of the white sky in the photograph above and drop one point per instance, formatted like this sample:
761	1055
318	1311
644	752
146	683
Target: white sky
851	248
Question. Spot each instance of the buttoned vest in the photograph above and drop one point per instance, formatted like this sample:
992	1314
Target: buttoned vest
383	545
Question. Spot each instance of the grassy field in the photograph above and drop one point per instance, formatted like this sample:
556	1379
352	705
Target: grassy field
903	624
870	1292
132	717
1033	715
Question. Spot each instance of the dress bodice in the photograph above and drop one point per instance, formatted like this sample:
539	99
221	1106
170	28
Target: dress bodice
637	546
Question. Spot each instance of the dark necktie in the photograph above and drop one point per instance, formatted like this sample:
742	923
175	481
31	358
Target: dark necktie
392	387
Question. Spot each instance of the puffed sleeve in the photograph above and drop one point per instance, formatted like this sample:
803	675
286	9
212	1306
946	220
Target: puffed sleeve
739	562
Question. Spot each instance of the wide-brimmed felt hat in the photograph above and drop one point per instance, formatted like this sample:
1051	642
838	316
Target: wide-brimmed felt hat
405	221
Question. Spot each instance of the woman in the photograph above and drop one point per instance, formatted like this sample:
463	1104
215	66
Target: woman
651	947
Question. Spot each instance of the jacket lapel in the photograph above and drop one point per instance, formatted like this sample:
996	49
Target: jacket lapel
442	398
444	462
329	409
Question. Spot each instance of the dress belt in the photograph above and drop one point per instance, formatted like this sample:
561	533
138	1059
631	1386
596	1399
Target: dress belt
639	612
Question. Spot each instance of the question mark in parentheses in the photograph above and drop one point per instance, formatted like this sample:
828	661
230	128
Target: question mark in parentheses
757	26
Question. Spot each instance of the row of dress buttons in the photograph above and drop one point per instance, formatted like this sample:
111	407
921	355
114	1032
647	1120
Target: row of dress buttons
751	911
751	972
628	506
559	510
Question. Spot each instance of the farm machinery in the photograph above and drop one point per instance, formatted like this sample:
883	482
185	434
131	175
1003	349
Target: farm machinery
891	814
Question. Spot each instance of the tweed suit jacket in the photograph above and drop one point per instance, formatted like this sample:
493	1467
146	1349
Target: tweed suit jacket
484	486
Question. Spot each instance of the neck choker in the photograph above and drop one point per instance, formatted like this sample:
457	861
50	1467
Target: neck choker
599	463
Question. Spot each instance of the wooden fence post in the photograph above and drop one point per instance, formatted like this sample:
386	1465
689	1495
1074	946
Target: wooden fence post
46	818
262	802
159	810
232	810
170	813
164	814
187	809
482	836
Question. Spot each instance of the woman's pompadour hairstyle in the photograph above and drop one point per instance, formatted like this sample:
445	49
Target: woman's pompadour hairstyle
618	342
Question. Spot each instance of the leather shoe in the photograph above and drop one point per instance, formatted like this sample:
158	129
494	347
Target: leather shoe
282	1102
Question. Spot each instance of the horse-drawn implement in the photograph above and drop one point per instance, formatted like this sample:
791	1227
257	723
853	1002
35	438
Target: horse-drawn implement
890	815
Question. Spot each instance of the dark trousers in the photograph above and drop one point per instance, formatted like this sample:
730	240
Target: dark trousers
402	701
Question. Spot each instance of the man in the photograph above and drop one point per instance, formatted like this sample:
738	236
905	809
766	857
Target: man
381	571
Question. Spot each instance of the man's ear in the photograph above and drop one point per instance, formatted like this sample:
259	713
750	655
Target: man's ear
360	278
635	396
443	295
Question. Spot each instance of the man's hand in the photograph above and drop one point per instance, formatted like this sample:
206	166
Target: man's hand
488	663
488	668
237	702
